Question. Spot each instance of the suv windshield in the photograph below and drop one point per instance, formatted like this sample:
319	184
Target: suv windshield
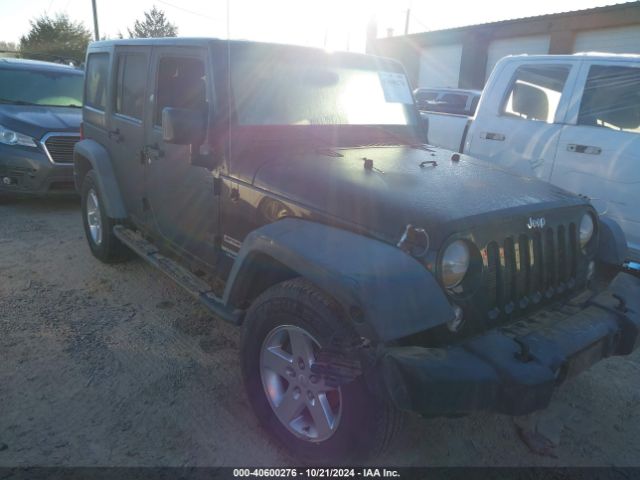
320	92
41	87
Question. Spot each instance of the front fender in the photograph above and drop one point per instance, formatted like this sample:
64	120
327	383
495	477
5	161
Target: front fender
386	293
98	157
612	247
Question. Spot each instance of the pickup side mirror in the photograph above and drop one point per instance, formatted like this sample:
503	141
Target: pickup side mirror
183	126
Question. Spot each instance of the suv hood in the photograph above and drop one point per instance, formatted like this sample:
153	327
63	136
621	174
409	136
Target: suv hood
35	121
382	200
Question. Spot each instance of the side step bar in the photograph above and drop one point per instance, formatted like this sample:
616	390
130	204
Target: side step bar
198	288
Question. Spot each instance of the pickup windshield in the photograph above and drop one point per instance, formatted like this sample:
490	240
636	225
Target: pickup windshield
321	90
41	87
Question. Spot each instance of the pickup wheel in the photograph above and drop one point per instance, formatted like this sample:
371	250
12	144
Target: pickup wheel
283	330
98	227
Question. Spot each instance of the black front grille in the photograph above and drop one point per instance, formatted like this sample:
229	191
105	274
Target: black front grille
60	147
527	269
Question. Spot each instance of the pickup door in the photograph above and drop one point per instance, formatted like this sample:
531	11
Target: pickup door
599	148
445	130
518	123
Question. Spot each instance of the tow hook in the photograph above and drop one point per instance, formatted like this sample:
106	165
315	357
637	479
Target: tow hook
524	355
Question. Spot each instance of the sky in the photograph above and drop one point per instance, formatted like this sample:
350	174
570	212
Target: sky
331	24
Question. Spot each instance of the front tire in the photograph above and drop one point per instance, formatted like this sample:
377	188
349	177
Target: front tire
283	330
98	227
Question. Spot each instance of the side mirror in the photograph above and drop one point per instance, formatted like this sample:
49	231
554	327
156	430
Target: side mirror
183	126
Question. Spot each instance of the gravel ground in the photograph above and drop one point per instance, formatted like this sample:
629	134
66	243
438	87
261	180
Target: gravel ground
116	366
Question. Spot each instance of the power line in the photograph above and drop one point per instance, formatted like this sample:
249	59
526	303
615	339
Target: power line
188	11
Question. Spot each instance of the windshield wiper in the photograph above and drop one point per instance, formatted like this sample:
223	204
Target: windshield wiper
401	139
15	102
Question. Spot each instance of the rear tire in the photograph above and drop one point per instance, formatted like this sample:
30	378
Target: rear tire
363	424
98	227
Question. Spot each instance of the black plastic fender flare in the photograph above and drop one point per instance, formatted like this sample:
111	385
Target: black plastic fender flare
100	161
386	293
612	246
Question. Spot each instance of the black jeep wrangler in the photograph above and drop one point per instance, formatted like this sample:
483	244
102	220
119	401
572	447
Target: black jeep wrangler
290	191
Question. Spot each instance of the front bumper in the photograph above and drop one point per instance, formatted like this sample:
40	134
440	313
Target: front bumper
30	172
514	370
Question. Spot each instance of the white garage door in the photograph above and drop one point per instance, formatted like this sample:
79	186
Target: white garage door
534	44
612	40
440	66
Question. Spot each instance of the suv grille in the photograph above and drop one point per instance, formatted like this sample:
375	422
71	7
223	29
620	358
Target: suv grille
529	268
60	147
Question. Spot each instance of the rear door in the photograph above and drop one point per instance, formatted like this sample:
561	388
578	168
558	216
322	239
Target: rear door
180	197
599	149
126	135
96	110
519	121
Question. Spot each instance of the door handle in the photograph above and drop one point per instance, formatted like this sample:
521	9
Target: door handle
499	137
153	152
115	135
587	149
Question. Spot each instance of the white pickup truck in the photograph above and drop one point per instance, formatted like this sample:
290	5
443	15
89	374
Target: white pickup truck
573	120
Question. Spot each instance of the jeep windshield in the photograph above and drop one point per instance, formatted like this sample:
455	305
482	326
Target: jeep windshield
340	91
51	88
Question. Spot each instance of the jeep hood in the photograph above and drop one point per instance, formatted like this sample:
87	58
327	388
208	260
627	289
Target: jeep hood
35	121
398	185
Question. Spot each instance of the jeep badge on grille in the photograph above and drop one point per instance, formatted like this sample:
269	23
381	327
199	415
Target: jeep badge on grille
536	223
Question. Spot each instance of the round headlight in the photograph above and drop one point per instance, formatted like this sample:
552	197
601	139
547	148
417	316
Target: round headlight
586	229
455	263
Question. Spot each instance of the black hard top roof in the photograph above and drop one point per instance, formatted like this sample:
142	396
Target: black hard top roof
233	44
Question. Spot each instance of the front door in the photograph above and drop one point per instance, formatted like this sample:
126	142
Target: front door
599	149
523	133
126	134
180	197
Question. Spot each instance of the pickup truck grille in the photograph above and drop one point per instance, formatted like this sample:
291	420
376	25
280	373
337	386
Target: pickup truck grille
59	147
527	269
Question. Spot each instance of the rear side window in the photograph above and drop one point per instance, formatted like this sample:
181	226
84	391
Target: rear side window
96	80
535	92
612	98
425	95
130	84
180	84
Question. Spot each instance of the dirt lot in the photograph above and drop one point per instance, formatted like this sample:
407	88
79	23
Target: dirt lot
114	365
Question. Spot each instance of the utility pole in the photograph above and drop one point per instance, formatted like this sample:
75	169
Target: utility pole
408	17
96	32
406	21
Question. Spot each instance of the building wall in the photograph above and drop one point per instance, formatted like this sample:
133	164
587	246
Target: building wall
532	45
440	66
614	28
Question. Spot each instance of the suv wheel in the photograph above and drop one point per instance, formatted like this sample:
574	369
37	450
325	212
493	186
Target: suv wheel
283	331
98	227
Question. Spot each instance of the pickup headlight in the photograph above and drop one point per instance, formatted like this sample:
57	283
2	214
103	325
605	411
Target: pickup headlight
586	229
455	263
9	137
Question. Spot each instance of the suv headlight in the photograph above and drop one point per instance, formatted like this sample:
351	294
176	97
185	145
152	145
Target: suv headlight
586	229
9	137
455	263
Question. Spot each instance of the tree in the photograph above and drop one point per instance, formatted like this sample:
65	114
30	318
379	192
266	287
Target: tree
8	49
55	38
154	25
